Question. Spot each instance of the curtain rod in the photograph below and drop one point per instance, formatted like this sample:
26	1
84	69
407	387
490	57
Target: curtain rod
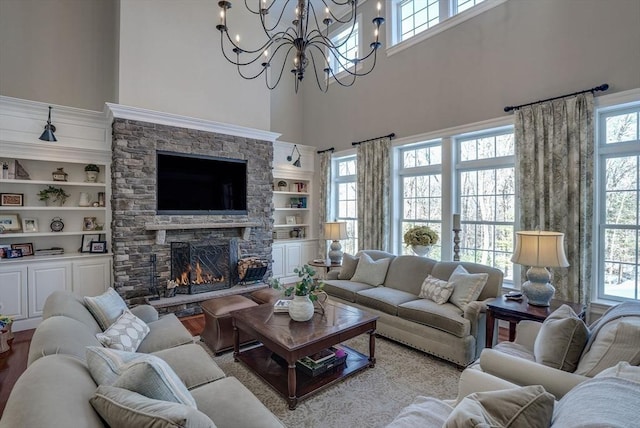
602	87
330	149
355	143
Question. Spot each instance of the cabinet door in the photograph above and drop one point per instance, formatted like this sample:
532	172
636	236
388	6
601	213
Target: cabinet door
13	291
44	279
91	277
277	254
309	251
293	258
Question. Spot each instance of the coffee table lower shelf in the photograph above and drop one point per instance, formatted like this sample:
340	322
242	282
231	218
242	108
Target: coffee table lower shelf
260	361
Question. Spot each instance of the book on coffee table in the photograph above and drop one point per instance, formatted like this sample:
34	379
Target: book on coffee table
324	355
281	306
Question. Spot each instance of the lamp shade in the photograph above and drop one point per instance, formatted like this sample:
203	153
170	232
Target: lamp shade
540	249
335	230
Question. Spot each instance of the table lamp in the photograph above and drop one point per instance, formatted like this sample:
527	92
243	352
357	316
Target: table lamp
539	250
335	231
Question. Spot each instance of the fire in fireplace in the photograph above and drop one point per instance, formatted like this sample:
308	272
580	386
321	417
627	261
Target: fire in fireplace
202	267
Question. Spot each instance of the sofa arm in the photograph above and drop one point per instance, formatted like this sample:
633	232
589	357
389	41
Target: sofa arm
474	312
146	313
474	380
333	274
523	372
526	333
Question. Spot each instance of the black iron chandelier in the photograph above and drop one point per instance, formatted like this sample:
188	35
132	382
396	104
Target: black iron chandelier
304	43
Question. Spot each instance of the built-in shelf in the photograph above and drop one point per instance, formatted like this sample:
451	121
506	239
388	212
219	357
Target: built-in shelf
54	257
33	234
53	183
23	208
161	228
290	225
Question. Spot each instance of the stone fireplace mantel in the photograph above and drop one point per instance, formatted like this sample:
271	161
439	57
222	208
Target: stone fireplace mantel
161	228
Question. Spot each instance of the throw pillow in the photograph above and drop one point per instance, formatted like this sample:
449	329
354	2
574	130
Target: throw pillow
618	340
349	264
105	364
106	308
423	412
369	271
529	406
561	340
466	286
153	378
436	289
126	334
120	407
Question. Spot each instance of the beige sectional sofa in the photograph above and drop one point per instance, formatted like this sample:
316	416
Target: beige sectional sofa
56	388
444	330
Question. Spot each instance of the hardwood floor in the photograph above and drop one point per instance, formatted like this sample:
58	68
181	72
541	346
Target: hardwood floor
16	363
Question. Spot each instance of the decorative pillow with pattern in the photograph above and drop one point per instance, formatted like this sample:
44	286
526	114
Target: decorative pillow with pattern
106	308
349	265
369	271
126	334
466	286
436	289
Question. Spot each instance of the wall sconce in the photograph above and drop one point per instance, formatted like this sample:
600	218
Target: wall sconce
290	157
49	129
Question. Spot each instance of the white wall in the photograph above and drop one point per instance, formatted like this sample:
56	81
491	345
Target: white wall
59	52
170	61
518	52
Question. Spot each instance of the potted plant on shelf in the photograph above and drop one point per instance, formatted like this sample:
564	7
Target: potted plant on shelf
305	292
53	196
91	171
420	239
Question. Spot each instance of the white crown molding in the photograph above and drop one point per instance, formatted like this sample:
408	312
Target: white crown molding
143	115
49	152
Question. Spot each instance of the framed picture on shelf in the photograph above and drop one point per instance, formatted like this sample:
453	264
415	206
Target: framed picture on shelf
89	223
14	253
26	248
290	219
29	225
86	242
4	248
9	223
98	247
11	199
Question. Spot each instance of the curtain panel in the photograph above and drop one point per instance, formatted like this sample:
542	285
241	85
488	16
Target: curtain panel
325	200
373	176
555	167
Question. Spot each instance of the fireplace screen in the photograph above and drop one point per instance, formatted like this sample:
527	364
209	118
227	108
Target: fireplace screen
202	267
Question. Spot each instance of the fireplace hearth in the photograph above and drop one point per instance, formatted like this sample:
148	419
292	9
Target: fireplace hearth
204	266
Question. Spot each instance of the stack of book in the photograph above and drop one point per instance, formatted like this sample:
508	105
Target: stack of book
321	362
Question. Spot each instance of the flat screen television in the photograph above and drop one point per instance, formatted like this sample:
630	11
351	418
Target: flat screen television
200	185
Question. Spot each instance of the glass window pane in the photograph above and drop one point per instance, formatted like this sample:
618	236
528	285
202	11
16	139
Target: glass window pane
622	128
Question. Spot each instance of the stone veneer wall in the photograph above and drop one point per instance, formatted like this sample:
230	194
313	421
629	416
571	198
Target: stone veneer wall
134	199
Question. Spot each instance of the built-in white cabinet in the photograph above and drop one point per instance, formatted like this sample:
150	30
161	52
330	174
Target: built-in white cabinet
91	277
44	279
290	255
13	292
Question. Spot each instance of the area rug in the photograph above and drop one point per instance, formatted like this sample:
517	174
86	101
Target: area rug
371	398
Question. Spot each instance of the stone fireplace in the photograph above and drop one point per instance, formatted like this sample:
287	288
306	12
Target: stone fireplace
202	267
135	223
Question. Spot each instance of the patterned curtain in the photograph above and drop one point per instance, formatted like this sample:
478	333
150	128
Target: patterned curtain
325	200
554	160
373	175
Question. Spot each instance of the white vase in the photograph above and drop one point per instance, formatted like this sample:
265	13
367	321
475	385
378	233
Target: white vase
301	308
421	250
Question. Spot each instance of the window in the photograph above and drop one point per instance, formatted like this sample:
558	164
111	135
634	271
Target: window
486	194
345	199
420	180
416	16
619	196
346	43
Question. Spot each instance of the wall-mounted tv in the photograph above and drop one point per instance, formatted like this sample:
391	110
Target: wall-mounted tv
195	184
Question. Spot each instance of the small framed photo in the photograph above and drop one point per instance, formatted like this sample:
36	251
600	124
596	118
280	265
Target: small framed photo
9	223
14	254
98	247
89	223
4	248
11	199
86	242
290	219
26	248
29	225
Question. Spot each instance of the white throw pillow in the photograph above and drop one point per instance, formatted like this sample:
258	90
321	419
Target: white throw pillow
106	308
371	272
466	286
349	265
126	334
436	289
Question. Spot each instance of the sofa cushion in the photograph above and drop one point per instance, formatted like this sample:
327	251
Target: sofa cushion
466	286
446	317
344	289
369	271
529	406
106	308
192	364
68	304
165	333
406	273
126	334
618	340
384	299
120	407
436	289
423	412
153	378
106	365
493	287
561	339
349	265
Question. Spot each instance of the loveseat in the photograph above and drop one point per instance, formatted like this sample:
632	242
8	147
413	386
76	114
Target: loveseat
56	388
452	331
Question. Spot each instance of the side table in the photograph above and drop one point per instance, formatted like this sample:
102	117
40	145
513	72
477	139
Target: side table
324	264
515	311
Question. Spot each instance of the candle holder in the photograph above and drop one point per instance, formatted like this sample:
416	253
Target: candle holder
456	245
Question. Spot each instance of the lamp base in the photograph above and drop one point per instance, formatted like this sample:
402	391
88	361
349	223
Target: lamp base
335	254
538	290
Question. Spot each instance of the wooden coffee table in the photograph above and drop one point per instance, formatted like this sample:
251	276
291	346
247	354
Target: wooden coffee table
292	340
